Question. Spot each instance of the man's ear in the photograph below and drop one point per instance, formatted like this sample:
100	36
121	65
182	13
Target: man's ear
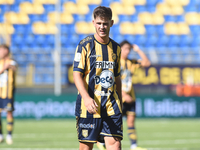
93	22
112	22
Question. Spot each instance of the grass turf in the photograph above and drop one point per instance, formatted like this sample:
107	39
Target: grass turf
60	134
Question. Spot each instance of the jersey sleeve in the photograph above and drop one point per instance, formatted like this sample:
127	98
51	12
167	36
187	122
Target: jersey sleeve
118	66
13	63
135	65
79	59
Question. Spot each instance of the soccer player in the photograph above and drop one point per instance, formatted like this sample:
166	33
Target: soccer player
96	72
7	81
128	67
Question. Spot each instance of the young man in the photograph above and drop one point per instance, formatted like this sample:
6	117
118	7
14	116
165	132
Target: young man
7	83
96	75
128	67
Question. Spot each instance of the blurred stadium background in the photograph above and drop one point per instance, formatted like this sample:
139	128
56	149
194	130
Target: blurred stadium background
43	35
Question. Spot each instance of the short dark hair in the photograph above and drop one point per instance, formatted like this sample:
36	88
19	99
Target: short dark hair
5	46
125	42
102	12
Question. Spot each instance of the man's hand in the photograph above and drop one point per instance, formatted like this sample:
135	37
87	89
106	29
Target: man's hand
91	105
136	48
127	97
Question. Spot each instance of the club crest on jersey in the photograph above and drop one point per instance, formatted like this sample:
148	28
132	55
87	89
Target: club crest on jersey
85	133
106	79
114	57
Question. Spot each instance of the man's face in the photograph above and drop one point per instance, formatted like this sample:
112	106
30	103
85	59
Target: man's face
102	26
125	50
3	52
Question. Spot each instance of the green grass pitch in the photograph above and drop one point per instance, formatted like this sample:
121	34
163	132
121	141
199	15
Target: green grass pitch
60	134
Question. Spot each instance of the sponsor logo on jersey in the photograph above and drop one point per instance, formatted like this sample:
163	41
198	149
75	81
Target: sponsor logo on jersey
77	57
102	93
105	64
87	126
106	79
85	133
95	56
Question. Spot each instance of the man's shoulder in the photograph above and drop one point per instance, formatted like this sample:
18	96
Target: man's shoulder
114	42
86	40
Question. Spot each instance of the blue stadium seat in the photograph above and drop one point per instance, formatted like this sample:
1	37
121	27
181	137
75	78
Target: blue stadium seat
38	79
17	39
180	18
29	39
49	8
4	8
151	41
185	40
106	2
164	59
129	38
14	48
19	29
134	18
151	9
160	29
140	8
195	29
150	29
151	2
169	18
50	39
118	38
64	29
78	17
88	17
190	8
176	58
174	40
124	18
46	47
195	42
39	39
48	78
140	40
1	18
31	57
14	8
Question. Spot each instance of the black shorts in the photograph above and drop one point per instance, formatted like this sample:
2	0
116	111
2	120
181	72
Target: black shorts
91	130
128	108
6	104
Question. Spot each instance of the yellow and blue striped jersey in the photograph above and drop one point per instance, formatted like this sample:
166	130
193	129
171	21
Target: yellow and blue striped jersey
128	67
100	65
7	80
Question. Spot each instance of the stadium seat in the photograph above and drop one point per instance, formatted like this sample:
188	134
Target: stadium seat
84	28
49	8
174	40
145	18
128	2
169	18
158	19
140	2
190	8
140	8
10	2
150	29
177	10
127	28
183	28
192	18
140	40
194	29
164	9
171	28
117	8
70	7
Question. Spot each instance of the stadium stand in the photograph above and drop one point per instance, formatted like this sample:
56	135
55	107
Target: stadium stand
168	27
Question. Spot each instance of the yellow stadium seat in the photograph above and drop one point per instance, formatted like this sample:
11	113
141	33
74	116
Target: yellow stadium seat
7	28
192	18
128	2
66	18
83	2
177	10
173	2
117	8
10	2
82	9
164	9
158	19
84	28
139	2
38	9
11	17
139	28
26	7
183	28
127	28
70	7
129	10
171	28
52	17
23	18
40	2
39	28
115	18
146	18
52	1
51	28
96	2
184	2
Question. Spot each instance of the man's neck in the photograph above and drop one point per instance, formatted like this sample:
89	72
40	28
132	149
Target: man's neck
101	40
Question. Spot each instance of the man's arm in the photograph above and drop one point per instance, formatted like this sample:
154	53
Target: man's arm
145	61
119	88
90	104
127	97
